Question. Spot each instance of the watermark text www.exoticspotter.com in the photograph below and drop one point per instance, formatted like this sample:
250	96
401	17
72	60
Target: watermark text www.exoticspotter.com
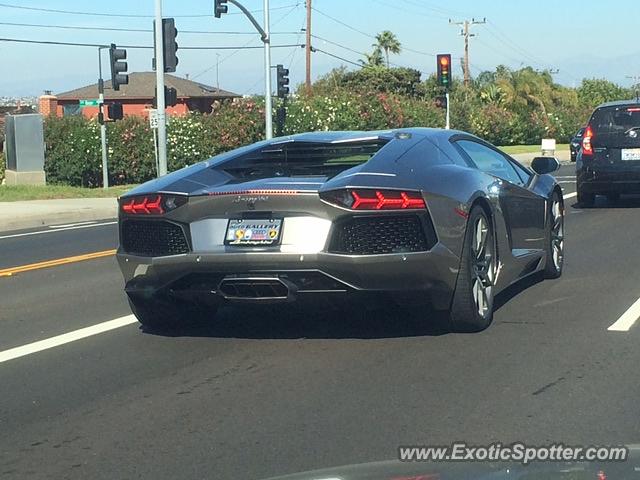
514	452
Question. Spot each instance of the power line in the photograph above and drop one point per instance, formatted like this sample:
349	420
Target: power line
125	15
134	30
337	57
101	45
350	27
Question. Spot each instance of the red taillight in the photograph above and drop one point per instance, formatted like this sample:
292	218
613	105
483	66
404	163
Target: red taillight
373	199
587	139
147	205
153	204
633	109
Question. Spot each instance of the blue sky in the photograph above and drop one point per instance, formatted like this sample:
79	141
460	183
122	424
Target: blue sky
546	34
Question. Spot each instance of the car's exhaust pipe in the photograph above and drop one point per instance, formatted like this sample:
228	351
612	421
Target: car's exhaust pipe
256	289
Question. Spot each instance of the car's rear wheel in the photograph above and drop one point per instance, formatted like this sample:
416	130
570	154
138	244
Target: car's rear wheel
472	304
585	199
555	238
162	314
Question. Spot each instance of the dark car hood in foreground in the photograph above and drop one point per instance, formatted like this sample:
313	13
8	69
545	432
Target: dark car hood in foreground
396	470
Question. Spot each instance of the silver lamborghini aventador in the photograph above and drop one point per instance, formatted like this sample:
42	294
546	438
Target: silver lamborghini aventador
427	214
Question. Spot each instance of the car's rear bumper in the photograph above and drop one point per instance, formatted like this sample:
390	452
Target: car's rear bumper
610	180
202	275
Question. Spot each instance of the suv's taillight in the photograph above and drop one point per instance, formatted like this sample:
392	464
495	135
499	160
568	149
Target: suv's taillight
154	204
587	141
374	199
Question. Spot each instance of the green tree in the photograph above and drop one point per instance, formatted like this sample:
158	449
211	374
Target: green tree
373	59
388	42
595	91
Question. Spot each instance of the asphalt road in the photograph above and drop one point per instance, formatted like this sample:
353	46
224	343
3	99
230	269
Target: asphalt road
261	393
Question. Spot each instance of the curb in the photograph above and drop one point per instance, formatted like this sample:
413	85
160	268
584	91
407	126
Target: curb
34	214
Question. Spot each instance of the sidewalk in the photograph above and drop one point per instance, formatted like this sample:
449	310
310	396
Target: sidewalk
526	158
38	213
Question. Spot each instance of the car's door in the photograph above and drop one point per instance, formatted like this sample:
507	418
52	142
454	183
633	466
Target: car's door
524	210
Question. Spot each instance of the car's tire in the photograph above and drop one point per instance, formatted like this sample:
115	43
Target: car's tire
613	198
472	304
163	314
555	238
586	200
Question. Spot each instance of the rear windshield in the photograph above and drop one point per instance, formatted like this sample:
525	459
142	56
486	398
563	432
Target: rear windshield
302	159
617	126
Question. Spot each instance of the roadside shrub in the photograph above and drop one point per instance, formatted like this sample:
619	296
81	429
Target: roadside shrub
2	167
72	151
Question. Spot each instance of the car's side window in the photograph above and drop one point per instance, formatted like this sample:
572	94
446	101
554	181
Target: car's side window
490	161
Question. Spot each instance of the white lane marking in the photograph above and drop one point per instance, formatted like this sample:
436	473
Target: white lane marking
566	181
69	337
565	176
72	224
570	195
55	230
628	318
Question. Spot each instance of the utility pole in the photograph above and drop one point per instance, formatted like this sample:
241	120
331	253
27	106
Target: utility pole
218	71
467	34
308	48
162	118
103	126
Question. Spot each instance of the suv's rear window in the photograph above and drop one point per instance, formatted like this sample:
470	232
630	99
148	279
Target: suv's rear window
617	126
302	159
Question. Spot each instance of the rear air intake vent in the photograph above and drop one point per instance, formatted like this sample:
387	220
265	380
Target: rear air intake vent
374	235
153	238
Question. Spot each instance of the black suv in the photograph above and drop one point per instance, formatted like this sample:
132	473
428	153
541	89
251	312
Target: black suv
576	143
609	161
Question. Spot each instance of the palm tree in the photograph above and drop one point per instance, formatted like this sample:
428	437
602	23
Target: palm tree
388	42
373	59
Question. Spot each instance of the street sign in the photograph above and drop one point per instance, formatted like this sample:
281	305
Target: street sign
153	118
89	103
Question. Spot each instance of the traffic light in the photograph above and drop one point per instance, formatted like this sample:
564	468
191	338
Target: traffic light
220	7
169	34
115	111
444	70
441	101
283	81
170	96
118	66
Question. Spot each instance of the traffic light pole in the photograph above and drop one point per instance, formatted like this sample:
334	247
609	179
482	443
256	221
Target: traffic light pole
268	109
266	39
103	126
448	121
162	116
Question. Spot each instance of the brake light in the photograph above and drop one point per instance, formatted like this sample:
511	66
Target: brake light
633	109
374	199
154	204
587	145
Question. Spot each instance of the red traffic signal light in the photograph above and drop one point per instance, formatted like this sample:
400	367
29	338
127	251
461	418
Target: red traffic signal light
444	70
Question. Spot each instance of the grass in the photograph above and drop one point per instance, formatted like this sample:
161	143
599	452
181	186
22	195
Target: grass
515	149
15	193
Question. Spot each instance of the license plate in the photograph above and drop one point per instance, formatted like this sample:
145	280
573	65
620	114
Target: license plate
630	154
253	232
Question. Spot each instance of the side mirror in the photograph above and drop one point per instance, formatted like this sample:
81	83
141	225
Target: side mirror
544	165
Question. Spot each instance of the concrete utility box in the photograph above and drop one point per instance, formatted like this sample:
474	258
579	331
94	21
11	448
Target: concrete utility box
548	147
24	149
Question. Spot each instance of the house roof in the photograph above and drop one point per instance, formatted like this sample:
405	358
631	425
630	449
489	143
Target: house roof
143	85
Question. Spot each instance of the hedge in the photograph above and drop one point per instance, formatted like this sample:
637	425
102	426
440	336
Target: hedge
73	154
2	167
